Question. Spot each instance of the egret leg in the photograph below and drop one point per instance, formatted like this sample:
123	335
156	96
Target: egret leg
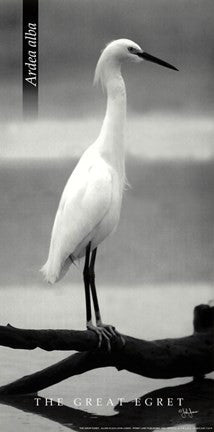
87	286
93	288
89	324
106	329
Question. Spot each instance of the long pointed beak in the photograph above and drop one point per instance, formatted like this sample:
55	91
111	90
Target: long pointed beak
149	57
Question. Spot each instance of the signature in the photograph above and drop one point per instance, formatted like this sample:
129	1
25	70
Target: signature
187	412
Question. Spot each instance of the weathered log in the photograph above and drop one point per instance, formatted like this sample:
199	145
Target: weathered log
48	340
167	358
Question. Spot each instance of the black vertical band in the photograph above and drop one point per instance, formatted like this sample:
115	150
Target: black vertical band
30	59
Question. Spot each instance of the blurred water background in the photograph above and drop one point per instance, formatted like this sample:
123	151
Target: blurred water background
165	234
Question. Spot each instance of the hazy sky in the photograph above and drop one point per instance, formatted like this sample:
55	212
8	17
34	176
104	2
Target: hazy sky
72	33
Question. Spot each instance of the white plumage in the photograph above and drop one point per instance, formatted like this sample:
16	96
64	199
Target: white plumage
88	211
89	208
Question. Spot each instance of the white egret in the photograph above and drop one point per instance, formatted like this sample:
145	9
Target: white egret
89	209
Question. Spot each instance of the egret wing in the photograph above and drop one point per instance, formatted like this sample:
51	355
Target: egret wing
85	201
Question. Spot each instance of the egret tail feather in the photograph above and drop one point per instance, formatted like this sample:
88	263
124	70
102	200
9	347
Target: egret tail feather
52	276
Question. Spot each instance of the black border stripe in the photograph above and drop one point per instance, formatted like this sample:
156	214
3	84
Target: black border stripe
30	58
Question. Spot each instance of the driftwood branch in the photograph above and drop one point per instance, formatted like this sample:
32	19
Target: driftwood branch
167	358
48	340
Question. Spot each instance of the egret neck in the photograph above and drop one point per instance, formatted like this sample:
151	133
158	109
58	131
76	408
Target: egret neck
111	138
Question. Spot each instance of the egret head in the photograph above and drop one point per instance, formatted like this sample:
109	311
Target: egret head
120	51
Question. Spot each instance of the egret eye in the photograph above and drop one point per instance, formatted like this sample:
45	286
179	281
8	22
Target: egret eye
131	49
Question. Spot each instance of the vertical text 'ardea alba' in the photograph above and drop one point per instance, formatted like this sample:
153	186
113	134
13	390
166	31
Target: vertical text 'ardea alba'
89	209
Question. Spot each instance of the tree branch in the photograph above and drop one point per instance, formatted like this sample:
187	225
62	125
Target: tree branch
167	358
47	340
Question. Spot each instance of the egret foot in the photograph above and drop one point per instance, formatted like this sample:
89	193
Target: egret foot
105	332
112	330
102	333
